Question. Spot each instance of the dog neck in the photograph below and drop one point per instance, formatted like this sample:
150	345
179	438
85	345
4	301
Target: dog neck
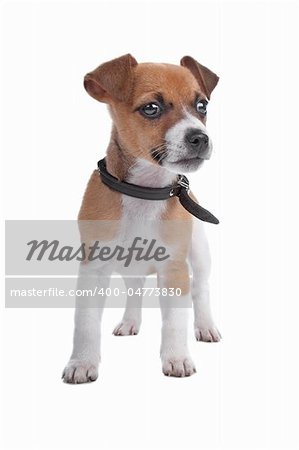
126	167
140	172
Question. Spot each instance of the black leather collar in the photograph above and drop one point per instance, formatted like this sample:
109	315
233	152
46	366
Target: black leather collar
179	189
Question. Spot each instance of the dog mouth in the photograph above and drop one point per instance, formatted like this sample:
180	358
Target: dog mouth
187	160
186	164
164	155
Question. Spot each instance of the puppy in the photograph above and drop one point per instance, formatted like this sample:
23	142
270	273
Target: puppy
159	131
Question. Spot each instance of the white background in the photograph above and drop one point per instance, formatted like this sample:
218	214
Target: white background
245	393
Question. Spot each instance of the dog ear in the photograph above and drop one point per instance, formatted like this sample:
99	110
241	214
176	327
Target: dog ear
113	79
206	79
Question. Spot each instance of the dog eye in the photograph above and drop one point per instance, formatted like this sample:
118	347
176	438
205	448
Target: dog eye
151	110
201	107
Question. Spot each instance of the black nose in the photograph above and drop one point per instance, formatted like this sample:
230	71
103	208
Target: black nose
197	140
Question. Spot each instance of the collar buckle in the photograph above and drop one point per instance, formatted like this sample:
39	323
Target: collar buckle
184	182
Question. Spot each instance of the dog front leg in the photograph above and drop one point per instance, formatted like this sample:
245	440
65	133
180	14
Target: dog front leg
176	360
83	364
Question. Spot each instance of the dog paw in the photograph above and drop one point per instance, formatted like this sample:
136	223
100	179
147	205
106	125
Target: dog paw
126	328
78	372
207	333
178	367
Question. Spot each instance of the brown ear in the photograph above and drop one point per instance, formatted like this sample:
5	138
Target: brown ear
113	79
206	79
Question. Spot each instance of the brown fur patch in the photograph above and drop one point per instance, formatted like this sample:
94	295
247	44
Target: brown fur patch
176	276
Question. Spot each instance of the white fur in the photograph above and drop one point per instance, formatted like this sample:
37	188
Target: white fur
141	217
175	137
144	173
204	327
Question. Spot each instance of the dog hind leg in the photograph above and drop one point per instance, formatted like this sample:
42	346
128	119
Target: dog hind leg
131	321
205	329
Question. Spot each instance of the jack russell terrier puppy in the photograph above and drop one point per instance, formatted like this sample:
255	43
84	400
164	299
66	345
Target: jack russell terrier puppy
159	131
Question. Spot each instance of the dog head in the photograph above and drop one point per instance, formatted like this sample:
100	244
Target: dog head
159	110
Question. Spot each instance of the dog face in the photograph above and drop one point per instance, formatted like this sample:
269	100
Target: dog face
159	110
